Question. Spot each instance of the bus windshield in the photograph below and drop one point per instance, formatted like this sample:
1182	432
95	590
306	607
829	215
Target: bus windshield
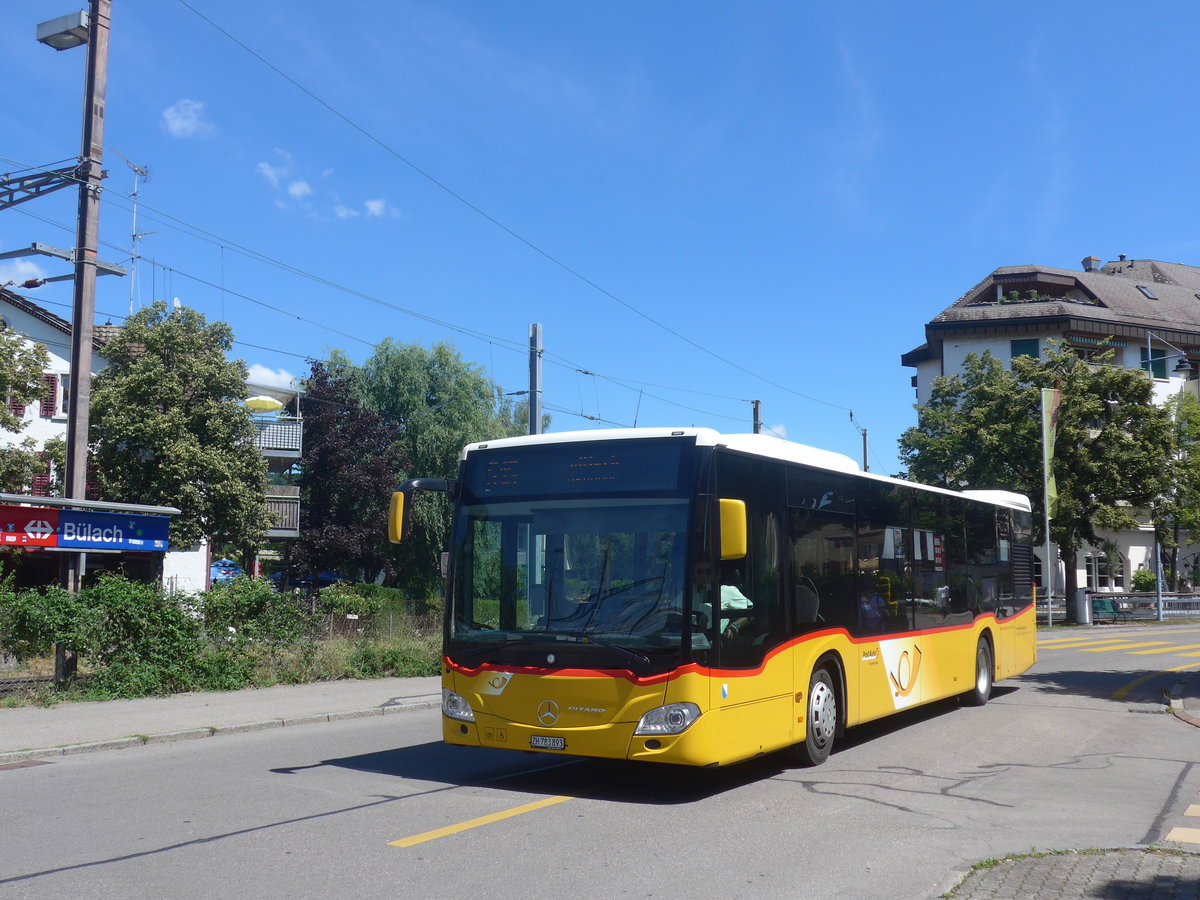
595	582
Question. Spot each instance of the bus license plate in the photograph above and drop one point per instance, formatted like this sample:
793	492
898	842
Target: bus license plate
542	742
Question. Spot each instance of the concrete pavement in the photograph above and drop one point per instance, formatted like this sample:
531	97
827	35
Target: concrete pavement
36	732
1167	871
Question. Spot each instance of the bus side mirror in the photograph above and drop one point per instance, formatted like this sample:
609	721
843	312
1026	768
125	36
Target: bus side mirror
400	524
396	530
733	529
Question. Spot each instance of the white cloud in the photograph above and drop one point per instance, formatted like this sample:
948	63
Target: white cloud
779	431
185	119
272	173
344	212
19	271
299	189
261	375
379	208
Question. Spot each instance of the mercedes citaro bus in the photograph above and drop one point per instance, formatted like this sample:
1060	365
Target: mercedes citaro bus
690	597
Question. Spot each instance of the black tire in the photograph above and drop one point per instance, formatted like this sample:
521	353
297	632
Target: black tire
821	719
984	673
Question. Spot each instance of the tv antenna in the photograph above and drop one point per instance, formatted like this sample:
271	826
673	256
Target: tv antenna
140	174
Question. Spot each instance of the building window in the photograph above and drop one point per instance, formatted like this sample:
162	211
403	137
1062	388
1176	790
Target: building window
1157	362
1025	347
57	400
1150	295
1105	573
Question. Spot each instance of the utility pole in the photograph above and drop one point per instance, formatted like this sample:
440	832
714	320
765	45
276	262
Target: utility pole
86	244
757	416
535	378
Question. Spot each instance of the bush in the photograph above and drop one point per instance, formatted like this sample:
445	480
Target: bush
250	609
139	640
32	621
135	640
1144	580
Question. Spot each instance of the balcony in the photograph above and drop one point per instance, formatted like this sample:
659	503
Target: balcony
283	503
279	437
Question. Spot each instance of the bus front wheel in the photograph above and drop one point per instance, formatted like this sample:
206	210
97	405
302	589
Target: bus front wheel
821	720
979	694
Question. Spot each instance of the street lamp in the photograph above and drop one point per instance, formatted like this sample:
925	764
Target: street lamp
1183	369
63	33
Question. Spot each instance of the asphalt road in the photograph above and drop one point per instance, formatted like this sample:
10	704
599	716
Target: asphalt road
1077	753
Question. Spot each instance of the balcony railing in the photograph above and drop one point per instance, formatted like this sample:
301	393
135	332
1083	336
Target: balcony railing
283	503
279	436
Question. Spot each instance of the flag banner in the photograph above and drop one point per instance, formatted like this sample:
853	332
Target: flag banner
1051	400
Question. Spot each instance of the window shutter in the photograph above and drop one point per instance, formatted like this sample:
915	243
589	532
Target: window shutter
17	409
50	403
41	485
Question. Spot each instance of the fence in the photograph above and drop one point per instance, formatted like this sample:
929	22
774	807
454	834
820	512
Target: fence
1134	606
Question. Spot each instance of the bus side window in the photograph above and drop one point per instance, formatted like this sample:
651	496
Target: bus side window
751	609
884	559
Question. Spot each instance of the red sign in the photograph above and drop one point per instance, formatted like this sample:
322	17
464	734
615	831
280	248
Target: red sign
25	526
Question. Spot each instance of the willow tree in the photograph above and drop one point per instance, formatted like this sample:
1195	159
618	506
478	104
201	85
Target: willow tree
440	403
1113	454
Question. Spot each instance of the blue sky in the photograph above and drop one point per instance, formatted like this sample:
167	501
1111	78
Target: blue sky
702	203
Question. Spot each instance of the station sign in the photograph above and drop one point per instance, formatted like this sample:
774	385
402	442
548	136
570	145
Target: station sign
25	526
33	527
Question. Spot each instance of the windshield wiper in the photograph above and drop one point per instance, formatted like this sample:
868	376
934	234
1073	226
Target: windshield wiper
480	652
640	658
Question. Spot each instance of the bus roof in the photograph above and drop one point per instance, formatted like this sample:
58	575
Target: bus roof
755	444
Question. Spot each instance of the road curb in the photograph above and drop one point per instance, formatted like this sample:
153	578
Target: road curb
399	704
1178	708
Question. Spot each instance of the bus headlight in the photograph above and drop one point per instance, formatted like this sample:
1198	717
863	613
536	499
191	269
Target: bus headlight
674	718
455	706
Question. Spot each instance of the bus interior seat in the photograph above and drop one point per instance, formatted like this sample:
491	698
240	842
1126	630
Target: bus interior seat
806	603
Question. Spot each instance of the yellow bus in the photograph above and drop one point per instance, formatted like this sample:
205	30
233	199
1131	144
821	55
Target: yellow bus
690	597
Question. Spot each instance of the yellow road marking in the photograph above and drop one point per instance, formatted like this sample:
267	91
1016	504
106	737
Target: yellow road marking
1184	835
1174	649
1076	643
1124	690
475	823
1193	810
1123	646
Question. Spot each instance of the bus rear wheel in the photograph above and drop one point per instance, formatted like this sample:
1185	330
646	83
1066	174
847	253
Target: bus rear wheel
979	694
821	719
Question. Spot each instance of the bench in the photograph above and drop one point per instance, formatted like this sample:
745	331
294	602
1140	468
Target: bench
1104	609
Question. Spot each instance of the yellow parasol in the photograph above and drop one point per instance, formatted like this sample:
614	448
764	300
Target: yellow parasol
263	403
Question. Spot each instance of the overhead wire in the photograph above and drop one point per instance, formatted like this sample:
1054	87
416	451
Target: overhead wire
492	219
505	343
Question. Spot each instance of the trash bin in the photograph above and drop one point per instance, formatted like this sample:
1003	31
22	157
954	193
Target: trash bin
1083	607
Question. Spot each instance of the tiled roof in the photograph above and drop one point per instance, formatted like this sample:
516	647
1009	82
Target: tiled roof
32	309
1111	296
101	334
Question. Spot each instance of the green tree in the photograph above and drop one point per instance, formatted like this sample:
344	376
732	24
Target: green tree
982	429
1176	513
22	363
441	403
168	428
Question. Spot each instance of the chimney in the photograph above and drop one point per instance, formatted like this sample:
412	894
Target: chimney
1122	257
1091	263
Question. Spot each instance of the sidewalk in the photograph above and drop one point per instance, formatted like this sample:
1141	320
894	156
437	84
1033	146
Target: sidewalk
31	732
1164	872
35	732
